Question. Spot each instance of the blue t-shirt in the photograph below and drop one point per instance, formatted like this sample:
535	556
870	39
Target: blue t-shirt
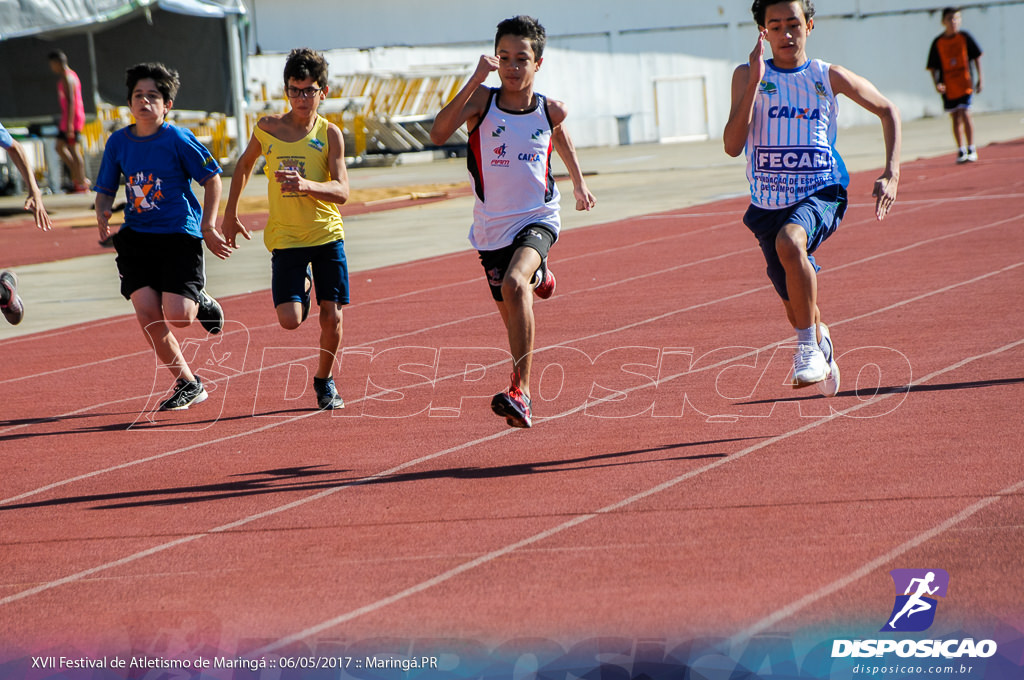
157	171
6	141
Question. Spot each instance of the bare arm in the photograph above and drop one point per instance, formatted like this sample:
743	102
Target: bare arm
334	190
231	226
34	202
977	71
214	240
867	95
467	105
745	80
104	205
567	152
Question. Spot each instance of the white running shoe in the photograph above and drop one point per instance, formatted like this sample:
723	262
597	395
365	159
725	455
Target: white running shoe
830	385
809	365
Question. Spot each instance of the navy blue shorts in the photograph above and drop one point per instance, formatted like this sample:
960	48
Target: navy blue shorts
819	214
496	262
330	273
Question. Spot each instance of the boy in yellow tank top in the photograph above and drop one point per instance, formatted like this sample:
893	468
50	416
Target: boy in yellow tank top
308	180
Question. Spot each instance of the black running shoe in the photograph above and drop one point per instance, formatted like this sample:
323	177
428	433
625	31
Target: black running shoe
185	394
327	397
514	406
210	314
307	292
13	310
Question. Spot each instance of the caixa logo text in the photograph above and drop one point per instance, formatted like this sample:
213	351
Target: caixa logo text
948	649
794	112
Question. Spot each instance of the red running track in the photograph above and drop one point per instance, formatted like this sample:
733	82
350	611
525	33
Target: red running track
671	486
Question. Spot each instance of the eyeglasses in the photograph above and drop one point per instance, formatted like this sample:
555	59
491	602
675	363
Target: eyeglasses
296	93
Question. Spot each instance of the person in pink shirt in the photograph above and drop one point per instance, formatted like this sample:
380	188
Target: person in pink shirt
72	119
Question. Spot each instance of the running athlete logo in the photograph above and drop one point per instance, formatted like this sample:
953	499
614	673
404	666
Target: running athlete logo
500	161
914	609
144	192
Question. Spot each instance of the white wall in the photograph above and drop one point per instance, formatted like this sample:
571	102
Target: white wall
603	56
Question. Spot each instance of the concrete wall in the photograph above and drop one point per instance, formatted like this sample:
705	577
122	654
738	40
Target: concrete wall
606	59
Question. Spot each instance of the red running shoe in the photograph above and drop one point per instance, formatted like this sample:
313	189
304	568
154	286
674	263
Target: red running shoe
546	287
513	405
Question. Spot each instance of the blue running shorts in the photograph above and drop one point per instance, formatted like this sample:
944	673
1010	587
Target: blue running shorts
330	273
819	214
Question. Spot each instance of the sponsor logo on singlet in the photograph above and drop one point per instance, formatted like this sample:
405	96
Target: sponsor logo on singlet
500	161
799	159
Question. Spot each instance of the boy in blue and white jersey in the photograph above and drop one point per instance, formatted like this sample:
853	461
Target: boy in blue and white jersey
783	116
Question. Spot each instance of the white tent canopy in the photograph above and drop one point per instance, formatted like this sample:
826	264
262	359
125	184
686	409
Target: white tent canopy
20	18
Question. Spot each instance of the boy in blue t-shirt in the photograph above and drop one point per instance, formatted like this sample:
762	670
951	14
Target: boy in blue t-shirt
159	247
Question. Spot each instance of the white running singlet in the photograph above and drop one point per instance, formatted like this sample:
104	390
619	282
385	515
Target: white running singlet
790	148
510	168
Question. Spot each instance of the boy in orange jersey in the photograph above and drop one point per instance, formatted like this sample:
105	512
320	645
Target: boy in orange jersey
952	57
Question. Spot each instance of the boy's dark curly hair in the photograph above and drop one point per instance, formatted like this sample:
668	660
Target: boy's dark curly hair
166	79
305	63
759	7
525	27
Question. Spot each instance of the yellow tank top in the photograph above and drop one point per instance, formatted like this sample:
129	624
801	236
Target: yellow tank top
297	220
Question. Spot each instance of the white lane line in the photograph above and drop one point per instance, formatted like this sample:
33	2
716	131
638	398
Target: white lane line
139	461
576	521
865	569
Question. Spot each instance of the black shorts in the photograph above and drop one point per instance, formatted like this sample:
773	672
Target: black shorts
63	136
496	262
951	105
168	263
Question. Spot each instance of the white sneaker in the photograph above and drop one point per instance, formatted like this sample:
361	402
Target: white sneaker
830	385
972	156
809	365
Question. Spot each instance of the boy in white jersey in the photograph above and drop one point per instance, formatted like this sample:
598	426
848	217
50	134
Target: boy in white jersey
784	117
515	219
304	233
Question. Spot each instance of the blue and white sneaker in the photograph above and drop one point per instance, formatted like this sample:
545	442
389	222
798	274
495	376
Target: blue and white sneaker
809	365
327	397
830	385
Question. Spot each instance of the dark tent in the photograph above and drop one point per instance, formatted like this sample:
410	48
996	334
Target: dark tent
202	39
